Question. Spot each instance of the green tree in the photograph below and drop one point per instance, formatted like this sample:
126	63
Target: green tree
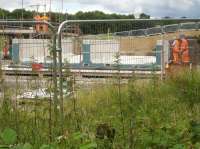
3	13
144	16
17	14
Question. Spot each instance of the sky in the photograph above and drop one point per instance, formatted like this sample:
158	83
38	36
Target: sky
155	8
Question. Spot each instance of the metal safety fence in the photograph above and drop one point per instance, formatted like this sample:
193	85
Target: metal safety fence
106	51
84	54
93	48
104	48
161	29
94	44
27	55
90	48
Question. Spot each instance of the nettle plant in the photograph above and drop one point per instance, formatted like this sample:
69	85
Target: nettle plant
9	141
77	140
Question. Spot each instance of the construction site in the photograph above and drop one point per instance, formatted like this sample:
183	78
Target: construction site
31	46
119	83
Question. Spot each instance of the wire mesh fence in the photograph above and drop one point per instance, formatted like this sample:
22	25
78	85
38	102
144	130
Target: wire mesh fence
97	49
102	53
25	59
19	44
152	31
95	45
27	77
95	55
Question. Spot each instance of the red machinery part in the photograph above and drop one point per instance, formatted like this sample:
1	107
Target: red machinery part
37	67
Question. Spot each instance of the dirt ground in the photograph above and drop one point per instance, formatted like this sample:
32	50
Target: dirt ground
145	45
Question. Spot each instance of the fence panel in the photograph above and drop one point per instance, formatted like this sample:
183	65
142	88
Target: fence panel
26	56
189	26
171	28
98	48
28	75
114	49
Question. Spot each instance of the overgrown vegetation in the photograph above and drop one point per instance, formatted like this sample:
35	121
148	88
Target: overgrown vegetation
141	114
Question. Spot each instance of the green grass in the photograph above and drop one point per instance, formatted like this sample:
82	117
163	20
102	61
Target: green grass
151	114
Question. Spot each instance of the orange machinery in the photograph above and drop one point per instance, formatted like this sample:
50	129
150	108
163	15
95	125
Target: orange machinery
41	27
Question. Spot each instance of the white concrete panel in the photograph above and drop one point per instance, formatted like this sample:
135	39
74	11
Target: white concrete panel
104	51
137	60
33	50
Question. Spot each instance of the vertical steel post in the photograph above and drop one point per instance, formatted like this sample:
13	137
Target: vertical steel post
60	79
1	72
162	59
55	88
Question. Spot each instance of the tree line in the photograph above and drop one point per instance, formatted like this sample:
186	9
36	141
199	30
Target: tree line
87	28
57	17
